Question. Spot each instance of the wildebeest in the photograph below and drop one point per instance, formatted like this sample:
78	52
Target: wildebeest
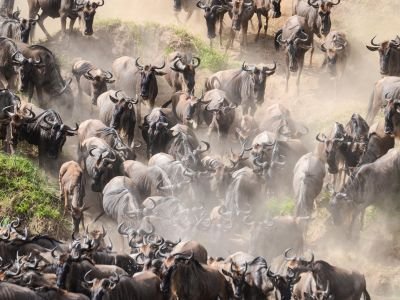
118	111
9	291
214	12
72	192
389	56
241	13
189	6
343	284
182	73
263	8
95	80
137	80
48	132
16	28
277	117
296	37
336	50
317	16
364	190
186	108
309	174
40	72
245	86
10	59
156	130
201	281
385	88
143	285
219	113
121	199
96	128
65	9
101	162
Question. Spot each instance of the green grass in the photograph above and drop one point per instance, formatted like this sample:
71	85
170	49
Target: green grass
211	59
280	206
24	191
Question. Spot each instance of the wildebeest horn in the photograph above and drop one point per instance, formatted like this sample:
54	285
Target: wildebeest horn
323	49
86	279
245	269
66	128
201	5
199	150
196	61
16	14
68	82
159	68
91	151
108	75
285	254
36	19
53	253
318	138
302	39
110	160
270	273
120	231
280	40
246	68
178	66
336	3
183	256
104	231
269	71
312	258
100	3
138	65
373	42
311	3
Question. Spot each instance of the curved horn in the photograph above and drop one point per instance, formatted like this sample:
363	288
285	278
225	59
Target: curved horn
373	42
53	253
246	68
335	3
285	254
199	150
178	66
196	61
100	3
323	49
270	71
159	68
108	75
318	138
311	3
305	39
138	65
90	282
68	82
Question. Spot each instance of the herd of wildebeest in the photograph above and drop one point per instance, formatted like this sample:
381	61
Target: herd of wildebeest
182	188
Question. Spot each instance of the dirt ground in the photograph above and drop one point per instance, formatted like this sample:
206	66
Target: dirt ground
318	105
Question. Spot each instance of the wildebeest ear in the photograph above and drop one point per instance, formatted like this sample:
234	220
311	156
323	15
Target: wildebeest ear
160	73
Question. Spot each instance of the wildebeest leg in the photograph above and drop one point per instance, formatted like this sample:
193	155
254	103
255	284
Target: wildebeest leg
259	25
266	24
230	41
311	53
301	65
71	25
221	26
39	92
31	89
245	26
3	80
287	74
43	16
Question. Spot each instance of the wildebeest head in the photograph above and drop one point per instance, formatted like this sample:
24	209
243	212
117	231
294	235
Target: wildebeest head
99	80
211	14
276	8
192	109
386	57
332	49
260	75
341	208
64	265
101	287
324	10
392	114
122	104
77	216
102	168
26	26
188	71
240	11
357	128
88	11
284	284
238	277
54	131
320	293
332	145
148	80
292	46
27	68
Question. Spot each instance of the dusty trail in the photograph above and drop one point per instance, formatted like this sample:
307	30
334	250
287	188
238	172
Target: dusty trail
318	106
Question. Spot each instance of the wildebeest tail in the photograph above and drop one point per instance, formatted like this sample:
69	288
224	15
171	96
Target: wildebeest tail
366	295
276	43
